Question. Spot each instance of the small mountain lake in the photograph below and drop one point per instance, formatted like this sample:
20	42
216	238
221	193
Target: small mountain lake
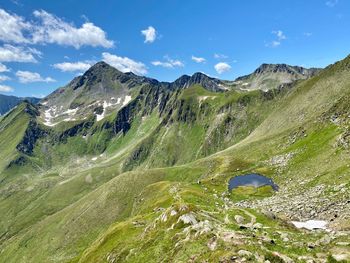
255	180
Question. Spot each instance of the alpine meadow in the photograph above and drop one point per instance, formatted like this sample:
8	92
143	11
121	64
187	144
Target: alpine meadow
127	138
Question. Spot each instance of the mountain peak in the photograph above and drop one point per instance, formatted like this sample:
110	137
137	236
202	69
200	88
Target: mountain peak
205	81
101	67
275	68
270	76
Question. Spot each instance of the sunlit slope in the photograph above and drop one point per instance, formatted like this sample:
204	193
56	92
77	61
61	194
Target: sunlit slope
309	100
303	145
84	207
12	130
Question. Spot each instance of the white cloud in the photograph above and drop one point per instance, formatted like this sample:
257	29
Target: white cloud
275	43
222	67
3	68
308	34
28	77
54	30
332	3
168	63
4	78
220	56
279	34
13	28
73	66
48	28
124	64
4	88
198	59
150	34
9	53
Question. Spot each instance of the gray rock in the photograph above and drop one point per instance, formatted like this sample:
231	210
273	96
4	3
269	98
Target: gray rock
239	219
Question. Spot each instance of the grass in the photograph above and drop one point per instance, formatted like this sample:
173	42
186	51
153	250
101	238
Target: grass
251	192
76	209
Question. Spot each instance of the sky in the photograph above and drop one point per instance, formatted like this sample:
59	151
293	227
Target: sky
44	44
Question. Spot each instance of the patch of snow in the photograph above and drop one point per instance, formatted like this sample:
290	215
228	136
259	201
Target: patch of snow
94	159
119	100
71	111
105	106
44	103
69	119
223	87
311	224
202	98
127	99
100	116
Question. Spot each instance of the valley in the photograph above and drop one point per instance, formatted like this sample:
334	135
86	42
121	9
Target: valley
115	167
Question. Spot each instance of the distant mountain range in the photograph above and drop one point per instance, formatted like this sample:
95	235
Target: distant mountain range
104	89
8	102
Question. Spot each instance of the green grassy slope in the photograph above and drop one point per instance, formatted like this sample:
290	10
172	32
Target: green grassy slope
119	207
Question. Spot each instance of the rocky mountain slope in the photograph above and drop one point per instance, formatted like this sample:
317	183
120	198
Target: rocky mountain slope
146	179
269	76
103	89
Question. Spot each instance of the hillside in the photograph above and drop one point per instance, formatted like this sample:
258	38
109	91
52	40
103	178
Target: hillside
115	167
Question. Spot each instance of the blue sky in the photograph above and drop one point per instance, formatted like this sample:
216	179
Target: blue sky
44	44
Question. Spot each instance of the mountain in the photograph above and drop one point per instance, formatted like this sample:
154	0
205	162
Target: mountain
8	102
270	76
185	81
146	179
104	89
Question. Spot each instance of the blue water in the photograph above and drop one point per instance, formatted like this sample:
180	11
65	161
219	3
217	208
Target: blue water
255	180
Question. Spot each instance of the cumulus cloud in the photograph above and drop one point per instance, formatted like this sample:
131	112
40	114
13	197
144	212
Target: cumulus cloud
124	64
3	68
222	67
10	53
168	63
4	78
73	66
4	88
13	28
48	28
28	77
54	30
198	59
150	34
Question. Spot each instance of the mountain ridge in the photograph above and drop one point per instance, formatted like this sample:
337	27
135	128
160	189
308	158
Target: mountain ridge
8	102
148	181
